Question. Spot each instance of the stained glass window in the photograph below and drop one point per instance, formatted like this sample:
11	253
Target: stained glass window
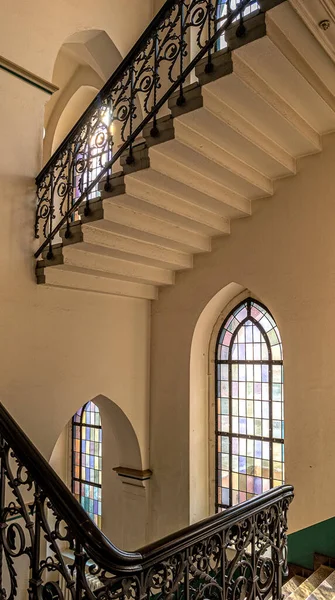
249	405
221	14
87	460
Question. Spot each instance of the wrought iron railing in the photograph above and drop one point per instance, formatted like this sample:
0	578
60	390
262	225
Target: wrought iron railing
182	33
239	554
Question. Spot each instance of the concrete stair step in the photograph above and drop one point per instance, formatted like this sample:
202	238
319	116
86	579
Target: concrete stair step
251	101
134	218
326	589
292	37
292	584
98	259
227	110
67	277
159	188
218	140
311	584
297	93
191	168
137	250
185	215
247	70
155	239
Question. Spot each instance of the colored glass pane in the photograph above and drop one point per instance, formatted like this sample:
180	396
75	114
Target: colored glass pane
87	460
221	14
250	411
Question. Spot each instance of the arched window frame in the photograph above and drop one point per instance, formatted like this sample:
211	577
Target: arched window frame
87	490
248	302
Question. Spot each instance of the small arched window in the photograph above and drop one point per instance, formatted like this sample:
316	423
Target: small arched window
87	460
249	405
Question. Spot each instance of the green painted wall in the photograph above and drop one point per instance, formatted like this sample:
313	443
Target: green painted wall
317	538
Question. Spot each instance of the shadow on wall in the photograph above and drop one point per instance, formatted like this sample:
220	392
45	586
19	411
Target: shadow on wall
199	417
123	518
84	63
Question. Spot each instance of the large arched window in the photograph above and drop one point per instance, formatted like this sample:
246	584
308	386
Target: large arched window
249	405
87	459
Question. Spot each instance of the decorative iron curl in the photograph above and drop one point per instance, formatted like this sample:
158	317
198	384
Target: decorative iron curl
238	554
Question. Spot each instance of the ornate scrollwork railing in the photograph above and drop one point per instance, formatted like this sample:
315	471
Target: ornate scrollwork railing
182	33
239	554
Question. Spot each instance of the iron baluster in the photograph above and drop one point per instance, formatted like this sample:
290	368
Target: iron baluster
154	130
181	97
253	558
279	557
241	30
80	569
51	213
130	157
35	581
88	154
223	570
70	188
218	558
108	186
210	15
2	517
187	576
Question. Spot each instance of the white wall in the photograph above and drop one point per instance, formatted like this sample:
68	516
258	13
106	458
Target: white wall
284	254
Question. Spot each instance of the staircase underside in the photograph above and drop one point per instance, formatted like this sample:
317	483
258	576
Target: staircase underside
267	102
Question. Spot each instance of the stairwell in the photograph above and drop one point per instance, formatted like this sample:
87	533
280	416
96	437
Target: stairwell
266	102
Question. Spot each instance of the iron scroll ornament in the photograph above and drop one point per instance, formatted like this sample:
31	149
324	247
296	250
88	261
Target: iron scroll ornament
158	65
234	555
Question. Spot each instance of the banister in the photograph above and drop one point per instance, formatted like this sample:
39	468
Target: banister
191	534
62	499
195	552
66	181
147	33
91	535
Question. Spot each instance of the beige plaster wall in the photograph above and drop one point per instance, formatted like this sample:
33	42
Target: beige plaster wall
59	348
124	505
157	5
32	35
285	255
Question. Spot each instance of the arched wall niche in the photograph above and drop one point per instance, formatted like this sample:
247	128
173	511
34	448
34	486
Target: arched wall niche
84	62
93	47
75	106
124	526
202	398
114	419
